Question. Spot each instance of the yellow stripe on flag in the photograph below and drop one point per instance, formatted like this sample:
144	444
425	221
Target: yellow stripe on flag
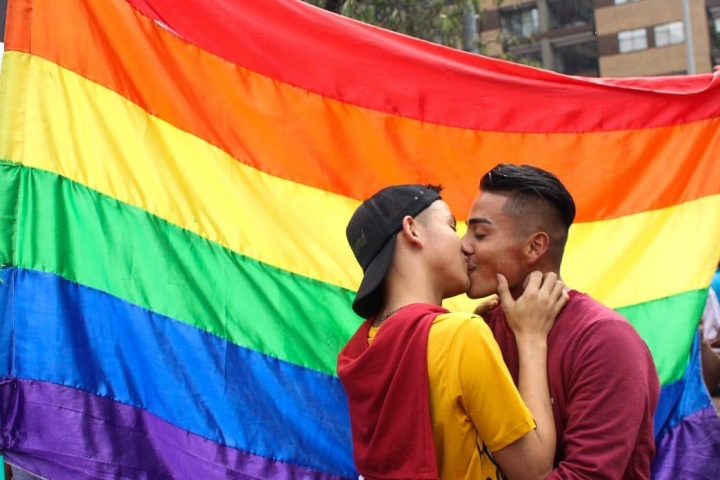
183	179
108	143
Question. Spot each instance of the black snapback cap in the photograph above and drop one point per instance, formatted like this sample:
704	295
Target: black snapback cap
371	234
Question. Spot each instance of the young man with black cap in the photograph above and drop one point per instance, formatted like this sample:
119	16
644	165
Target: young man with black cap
429	394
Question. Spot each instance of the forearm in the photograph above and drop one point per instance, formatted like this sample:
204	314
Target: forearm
535	391
710	365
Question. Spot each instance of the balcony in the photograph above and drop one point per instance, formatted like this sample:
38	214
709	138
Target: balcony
569	13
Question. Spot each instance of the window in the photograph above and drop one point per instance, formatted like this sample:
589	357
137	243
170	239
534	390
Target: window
570	13
577	59
669	34
619	2
520	22
631	40
717	25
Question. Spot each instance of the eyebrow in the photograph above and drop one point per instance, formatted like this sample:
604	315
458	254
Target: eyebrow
475	221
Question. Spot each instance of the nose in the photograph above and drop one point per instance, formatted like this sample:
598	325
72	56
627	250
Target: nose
466	245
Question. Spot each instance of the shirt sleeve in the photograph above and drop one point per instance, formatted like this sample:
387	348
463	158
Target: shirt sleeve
481	388
610	399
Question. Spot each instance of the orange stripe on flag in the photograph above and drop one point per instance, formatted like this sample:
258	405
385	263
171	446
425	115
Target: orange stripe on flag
352	151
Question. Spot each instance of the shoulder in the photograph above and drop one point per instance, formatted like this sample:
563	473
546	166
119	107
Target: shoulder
593	325
584	306
459	322
461	343
460	329
584	313
594	330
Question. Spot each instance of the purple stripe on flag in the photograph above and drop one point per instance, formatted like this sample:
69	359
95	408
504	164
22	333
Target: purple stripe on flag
691	450
58	427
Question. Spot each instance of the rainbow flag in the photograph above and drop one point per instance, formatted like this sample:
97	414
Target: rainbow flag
175	181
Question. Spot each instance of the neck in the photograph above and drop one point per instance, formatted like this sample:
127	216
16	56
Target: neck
381	317
518	290
396	299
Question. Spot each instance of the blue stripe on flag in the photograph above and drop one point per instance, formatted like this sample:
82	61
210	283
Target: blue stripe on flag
72	335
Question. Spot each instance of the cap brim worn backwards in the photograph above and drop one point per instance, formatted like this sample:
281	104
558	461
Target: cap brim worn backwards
369	296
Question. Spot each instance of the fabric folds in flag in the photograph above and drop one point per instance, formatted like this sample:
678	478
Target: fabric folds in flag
175	181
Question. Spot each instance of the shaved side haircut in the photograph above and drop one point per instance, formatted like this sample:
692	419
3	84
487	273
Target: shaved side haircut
537	198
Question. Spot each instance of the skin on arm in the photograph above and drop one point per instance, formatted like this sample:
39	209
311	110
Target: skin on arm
531	317
710	363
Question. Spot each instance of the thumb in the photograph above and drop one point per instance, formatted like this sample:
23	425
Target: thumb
504	290
485	307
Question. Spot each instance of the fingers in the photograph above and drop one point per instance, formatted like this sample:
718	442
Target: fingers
553	289
549	282
560	303
504	290
558	290
485	307
533	281
548	285
558	295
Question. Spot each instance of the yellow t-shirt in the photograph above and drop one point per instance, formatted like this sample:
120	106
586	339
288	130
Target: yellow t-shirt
473	400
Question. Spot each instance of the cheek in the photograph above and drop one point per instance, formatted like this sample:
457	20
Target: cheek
487	255
498	252
492	262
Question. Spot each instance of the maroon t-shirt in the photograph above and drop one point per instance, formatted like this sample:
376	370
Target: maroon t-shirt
604	387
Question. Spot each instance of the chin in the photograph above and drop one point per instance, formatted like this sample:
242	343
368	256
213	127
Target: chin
478	292
462	288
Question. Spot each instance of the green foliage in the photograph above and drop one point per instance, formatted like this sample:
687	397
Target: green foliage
439	21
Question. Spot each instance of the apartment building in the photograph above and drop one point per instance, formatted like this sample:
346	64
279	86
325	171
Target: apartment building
611	38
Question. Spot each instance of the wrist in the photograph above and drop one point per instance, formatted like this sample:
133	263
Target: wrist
535	342
531	336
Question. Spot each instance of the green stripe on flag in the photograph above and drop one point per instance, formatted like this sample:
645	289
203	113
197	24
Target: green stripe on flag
73	231
79	234
9	191
668	325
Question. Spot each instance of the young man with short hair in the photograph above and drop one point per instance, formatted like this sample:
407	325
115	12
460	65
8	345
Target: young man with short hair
603	381
429	394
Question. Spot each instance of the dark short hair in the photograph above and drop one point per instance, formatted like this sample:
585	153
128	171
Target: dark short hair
525	182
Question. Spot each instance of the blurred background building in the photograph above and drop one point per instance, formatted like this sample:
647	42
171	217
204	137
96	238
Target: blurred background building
609	38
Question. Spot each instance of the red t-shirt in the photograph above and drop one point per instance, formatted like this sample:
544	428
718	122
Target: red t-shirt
386	383
604	387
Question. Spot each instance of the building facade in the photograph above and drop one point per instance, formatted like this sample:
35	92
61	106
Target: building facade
610	38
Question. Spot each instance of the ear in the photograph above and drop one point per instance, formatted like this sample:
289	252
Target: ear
410	231
537	245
